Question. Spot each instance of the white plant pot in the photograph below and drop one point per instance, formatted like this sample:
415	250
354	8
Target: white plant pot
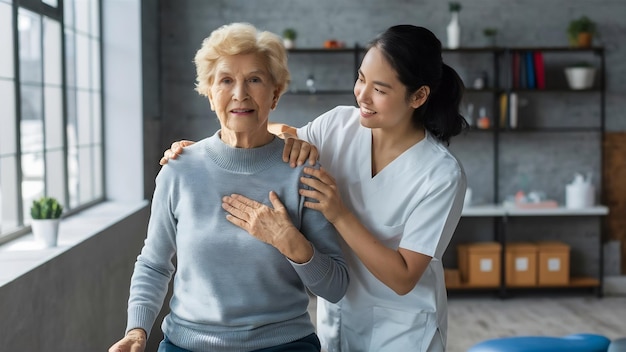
289	43
46	231
580	77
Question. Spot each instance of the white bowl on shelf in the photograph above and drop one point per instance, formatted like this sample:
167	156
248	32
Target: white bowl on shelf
580	77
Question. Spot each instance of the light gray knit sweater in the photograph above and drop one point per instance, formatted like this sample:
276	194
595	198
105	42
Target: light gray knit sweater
232	292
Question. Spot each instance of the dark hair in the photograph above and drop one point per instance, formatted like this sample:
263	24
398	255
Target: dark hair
415	53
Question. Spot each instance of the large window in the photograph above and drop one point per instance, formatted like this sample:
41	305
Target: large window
50	107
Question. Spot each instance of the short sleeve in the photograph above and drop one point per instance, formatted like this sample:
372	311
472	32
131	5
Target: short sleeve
431	224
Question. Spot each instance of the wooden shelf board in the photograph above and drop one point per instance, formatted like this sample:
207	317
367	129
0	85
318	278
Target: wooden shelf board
574	282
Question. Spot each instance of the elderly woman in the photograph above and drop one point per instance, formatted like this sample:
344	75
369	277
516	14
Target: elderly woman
234	291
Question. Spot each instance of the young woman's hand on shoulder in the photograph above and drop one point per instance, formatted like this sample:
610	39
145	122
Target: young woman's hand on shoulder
325	192
175	150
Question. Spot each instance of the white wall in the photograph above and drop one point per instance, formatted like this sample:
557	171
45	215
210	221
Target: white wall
123	99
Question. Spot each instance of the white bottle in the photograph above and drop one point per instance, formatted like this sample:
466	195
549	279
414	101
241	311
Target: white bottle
310	84
454	31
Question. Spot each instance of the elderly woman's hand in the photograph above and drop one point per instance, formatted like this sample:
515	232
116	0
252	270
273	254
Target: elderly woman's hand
134	341
270	225
175	150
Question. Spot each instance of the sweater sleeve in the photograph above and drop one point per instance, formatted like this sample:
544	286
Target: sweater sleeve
326	274
154	267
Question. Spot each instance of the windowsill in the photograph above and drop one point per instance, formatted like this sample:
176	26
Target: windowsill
23	254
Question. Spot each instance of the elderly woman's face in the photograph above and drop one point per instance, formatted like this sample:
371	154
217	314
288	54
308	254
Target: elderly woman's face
243	92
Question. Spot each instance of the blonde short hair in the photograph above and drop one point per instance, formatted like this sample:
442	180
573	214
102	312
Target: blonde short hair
241	38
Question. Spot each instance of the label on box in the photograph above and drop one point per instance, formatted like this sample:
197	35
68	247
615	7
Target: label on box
554	264
521	264
486	265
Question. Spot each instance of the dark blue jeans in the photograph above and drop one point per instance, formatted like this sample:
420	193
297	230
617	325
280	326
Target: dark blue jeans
307	344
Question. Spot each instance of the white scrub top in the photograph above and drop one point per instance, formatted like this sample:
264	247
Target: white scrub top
415	203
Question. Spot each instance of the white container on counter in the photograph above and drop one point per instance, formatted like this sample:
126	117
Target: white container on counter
580	193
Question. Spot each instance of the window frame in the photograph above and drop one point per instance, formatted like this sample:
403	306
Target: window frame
20	225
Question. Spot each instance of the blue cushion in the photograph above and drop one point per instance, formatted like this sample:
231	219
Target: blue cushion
570	343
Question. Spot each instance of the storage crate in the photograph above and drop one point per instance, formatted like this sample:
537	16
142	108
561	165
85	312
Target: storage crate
521	264
479	263
452	277
554	258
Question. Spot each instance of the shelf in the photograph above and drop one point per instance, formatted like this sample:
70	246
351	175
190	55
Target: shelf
477	49
323	50
550	129
557	49
575	282
483	211
497	49
491	210
483	90
560	211
555	90
319	92
538	129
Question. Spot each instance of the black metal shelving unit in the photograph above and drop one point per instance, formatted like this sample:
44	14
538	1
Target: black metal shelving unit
502	218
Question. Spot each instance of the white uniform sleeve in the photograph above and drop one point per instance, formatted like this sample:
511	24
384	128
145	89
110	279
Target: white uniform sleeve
431	225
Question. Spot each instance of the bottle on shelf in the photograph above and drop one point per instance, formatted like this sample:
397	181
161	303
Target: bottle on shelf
483	121
310	84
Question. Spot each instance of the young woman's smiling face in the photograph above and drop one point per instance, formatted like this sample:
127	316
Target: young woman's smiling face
243	93
381	96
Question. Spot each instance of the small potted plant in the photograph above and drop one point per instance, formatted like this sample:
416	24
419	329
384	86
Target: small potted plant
580	32
289	38
490	35
46	214
580	75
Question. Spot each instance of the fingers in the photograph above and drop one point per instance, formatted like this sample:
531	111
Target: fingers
276	203
287	149
314	205
313	156
175	150
312	194
177	147
235	208
237	222
239	199
304	154
320	174
185	143
167	155
296	152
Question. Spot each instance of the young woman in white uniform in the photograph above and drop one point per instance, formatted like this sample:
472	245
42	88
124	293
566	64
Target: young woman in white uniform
392	190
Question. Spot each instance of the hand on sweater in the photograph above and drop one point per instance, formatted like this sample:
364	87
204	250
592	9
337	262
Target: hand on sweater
175	150
270	225
134	341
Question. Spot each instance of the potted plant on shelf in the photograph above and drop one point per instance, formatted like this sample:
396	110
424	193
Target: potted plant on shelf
490	34
580	75
289	38
581	31
46	215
